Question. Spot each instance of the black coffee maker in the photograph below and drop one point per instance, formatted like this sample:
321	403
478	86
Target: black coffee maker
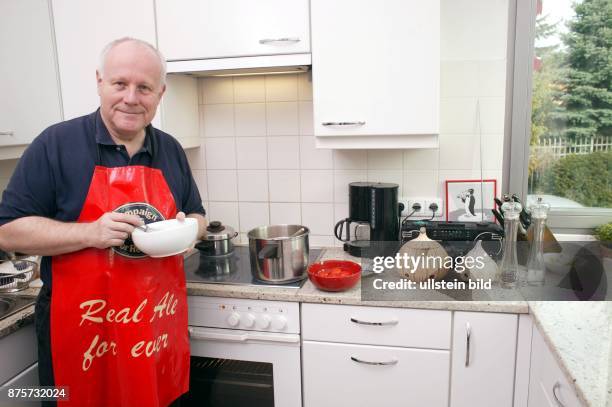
373	220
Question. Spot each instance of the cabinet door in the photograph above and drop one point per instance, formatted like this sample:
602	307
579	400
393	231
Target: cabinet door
547	381
29	100
82	29
484	349
377	65
199	29
337	374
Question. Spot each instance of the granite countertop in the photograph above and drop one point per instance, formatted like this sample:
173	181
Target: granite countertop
578	333
580	336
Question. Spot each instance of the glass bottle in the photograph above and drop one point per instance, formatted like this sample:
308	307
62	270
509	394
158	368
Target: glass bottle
535	263
509	267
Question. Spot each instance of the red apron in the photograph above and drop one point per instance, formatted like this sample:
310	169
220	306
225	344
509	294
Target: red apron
119	319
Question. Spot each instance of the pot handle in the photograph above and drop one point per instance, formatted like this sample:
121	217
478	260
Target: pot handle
269	251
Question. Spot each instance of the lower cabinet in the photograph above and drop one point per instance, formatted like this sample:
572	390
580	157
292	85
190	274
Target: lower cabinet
548	386
336	374
18	352
484	353
375	356
379	356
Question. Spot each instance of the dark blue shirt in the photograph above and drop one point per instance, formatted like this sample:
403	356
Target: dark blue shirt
52	177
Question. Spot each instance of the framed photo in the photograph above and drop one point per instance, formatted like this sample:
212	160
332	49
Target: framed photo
470	200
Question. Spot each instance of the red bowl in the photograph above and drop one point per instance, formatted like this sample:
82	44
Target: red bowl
334	275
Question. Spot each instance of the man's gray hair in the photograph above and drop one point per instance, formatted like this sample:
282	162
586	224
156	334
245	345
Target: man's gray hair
113	44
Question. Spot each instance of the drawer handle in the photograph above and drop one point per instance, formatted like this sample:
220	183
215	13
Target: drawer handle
386	323
365	362
468	336
358	123
7	133
555	387
271	40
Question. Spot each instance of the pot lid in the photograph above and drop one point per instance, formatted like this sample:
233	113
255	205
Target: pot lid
218	231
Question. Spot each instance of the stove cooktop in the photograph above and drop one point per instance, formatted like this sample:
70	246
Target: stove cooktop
234	268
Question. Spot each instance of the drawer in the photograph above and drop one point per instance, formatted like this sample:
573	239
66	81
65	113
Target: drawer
348	375
403	327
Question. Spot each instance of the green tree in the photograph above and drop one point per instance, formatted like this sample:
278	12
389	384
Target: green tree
588	98
546	97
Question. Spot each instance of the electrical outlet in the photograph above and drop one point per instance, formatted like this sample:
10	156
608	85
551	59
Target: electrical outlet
407	208
424	212
421	211
439	211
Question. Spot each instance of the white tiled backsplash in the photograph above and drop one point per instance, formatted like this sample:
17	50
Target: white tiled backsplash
257	163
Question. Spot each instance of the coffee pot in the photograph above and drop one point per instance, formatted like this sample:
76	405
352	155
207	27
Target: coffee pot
373	217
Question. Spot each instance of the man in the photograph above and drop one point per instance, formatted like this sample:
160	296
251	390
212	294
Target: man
115	328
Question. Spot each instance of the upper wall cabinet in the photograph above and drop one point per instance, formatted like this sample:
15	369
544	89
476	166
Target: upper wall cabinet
29	100
205	29
82	29
376	72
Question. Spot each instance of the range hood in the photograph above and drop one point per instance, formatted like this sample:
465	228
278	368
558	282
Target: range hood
235	66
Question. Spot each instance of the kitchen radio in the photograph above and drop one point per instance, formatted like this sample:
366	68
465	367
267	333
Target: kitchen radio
457	236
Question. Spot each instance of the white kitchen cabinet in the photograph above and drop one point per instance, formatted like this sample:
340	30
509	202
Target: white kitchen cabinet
376	73
82	29
483	361
30	99
361	375
180	110
375	356
548	386
386	326
205	29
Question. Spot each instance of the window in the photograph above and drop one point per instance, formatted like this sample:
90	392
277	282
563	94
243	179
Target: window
560	144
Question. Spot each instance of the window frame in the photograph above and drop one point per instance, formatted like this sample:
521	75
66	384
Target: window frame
521	47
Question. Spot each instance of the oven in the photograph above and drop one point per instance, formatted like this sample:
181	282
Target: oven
244	352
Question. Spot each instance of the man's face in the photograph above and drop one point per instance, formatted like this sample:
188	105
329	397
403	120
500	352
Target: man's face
130	89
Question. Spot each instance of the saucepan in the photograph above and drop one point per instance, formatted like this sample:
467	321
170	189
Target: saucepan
217	240
279	253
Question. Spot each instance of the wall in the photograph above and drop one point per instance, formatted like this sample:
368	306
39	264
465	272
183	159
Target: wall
258	165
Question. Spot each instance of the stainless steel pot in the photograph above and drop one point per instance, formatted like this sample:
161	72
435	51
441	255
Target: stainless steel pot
279	253
217	240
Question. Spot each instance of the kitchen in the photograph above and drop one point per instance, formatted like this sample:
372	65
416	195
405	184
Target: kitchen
439	88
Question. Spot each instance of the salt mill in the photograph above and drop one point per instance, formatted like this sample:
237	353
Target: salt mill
509	263
535	263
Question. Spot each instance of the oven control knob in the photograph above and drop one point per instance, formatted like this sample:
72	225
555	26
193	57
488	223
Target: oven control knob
279	323
233	319
249	320
264	321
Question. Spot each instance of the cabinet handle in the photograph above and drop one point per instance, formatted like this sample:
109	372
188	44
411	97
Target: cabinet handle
7	133
468	336
271	40
386	323
555	387
365	362
328	124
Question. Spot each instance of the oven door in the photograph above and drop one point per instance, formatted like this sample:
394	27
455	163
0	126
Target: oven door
243	368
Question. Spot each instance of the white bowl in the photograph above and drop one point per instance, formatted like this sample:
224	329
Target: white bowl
166	238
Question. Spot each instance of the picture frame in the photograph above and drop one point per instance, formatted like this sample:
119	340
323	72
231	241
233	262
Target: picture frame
470	200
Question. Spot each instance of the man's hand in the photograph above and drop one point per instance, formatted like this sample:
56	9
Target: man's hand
111	229
180	216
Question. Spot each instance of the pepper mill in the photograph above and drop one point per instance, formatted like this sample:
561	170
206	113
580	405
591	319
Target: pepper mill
509	264
535	263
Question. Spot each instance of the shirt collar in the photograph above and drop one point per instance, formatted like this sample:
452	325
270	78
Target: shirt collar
103	137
